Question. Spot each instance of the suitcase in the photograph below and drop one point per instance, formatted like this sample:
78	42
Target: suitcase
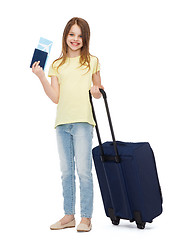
127	177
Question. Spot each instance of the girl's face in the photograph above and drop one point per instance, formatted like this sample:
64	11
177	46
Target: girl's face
74	39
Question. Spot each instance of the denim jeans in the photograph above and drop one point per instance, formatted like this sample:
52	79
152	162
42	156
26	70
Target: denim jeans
75	149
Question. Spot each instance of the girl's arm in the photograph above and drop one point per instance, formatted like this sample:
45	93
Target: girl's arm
52	90
96	79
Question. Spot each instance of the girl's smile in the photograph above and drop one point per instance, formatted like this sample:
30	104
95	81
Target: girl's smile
75	43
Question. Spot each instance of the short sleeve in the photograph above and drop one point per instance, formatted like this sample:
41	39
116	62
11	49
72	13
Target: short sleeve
96	65
52	71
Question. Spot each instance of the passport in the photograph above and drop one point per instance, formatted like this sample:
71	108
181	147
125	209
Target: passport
41	56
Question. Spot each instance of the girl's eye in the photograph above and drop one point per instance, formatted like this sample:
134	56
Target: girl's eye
72	34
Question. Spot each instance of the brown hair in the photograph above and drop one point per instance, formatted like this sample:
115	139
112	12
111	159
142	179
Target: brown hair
85	30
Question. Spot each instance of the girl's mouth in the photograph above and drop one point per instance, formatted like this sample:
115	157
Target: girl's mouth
75	44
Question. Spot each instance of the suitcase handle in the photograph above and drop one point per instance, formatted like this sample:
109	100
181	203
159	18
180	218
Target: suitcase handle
117	158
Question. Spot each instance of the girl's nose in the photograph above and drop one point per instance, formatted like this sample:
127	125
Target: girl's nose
75	37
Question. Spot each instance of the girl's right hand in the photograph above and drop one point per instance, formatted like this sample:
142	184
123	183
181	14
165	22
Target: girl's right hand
38	70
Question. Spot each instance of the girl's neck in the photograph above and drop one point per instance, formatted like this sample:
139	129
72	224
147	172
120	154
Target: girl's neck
72	54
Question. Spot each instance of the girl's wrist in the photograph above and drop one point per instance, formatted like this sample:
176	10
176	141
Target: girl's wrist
41	77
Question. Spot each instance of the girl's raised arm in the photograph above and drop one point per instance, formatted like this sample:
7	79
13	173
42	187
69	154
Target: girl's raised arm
52	90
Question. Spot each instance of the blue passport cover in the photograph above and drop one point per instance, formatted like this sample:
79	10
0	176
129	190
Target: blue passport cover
39	56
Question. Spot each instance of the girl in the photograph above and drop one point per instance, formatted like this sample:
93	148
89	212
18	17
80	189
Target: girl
71	77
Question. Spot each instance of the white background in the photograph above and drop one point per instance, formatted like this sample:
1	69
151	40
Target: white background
140	47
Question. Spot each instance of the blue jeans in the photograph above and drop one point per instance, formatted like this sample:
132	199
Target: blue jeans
75	148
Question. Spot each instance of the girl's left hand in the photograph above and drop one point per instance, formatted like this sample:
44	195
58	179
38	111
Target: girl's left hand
96	92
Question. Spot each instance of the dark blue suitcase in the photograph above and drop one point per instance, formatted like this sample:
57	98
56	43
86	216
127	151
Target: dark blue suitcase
127	177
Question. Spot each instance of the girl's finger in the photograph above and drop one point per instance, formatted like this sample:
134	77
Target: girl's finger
37	63
33	65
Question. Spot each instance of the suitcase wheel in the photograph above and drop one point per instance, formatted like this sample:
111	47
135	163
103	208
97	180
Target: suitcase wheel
138	220
141	225
116	221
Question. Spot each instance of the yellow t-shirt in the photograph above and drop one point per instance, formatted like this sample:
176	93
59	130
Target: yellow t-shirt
75	83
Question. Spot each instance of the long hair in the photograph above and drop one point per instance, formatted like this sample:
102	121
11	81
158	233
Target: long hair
85	30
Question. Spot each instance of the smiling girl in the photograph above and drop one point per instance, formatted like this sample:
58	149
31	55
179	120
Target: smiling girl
72	76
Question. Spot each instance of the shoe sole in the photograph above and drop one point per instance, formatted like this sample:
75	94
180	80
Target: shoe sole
83	230
61	228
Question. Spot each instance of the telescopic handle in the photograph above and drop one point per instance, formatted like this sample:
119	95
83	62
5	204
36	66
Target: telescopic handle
117	158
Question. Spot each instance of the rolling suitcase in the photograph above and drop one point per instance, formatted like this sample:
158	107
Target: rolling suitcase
127	177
